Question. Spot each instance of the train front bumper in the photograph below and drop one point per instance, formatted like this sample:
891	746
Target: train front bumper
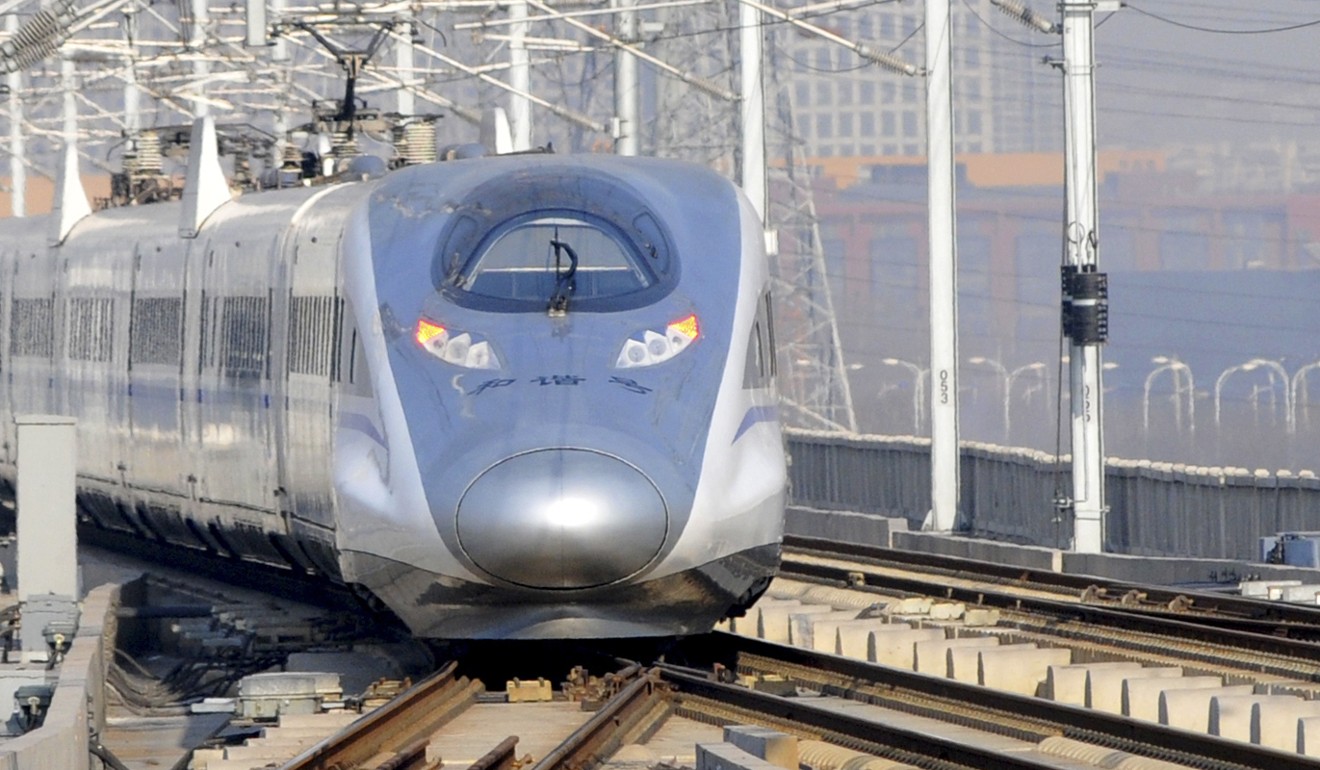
689	602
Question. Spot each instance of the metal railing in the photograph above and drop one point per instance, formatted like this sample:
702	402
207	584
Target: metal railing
1156	509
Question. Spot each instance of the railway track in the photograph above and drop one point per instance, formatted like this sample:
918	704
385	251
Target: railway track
838	710
872	706
1217	609
1278	638
942	707
398	733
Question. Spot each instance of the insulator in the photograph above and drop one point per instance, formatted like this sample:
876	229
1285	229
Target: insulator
291	157
30	55
1085	304
888	61
1025	15
149	159
418	143
40	28
342	144
128	163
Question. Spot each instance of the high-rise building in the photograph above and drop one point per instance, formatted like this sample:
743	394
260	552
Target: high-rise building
1006	99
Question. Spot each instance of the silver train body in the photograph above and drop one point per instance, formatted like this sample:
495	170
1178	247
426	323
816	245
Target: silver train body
364	381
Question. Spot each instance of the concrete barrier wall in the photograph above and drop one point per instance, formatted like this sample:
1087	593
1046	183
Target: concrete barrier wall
77	707
1156	509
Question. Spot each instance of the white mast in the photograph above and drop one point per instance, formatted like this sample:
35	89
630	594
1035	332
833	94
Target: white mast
1085	290
627	140
17	142
520	78
943	272
751	38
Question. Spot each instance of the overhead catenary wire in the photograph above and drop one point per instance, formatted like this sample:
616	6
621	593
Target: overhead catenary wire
1221	31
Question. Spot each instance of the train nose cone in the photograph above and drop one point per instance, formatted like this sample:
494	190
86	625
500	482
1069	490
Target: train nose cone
562	518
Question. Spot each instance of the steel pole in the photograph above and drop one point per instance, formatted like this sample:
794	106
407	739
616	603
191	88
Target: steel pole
520	78
132	92
69	87
751	38
403	57
626	85
17	141
201	67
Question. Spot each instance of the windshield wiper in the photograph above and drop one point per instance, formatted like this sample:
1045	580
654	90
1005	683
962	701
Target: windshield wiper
564	283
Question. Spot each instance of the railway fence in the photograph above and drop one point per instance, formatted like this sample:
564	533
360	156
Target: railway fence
1010	493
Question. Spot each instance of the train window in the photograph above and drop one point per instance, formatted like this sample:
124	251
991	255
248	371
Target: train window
754	368
207	357
760	367
155	333
91	328
511	245
313	334
243	338
528	259
31	328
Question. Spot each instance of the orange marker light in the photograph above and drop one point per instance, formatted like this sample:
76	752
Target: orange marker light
687	326
427	330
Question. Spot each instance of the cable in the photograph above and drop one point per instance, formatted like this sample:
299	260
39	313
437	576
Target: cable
827	70
910	35
1217	31
1005	35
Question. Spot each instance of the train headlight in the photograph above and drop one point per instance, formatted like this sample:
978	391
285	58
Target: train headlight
458	348
654	347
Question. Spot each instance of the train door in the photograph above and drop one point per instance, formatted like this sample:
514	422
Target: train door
195	300
235	403
158	465
308	361
90	385
33	330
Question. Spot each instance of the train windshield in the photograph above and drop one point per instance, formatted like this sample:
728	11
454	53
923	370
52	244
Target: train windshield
533	259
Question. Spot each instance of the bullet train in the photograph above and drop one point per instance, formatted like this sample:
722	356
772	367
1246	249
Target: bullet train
510	397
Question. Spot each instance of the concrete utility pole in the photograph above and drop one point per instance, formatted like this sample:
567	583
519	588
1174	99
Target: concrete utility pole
1085	289
627	113
751	38
944	462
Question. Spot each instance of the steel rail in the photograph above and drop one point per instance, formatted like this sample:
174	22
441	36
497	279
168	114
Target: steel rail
703	699
985	709
632	715
1223	609
1199	629
884	686
502	757
403	725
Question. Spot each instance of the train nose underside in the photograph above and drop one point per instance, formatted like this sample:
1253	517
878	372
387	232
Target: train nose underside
562	519
569	542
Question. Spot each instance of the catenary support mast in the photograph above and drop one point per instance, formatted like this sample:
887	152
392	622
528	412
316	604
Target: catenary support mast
943	271
1085	290
752	110
627	86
